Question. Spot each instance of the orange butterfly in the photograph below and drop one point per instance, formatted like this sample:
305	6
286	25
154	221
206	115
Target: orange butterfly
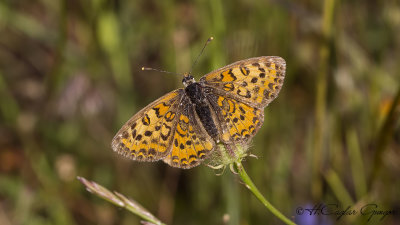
184	126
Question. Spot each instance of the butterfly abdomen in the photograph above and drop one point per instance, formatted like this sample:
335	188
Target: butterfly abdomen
196	95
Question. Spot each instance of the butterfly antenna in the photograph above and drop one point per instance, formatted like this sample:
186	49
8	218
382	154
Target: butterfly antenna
207	42
158	70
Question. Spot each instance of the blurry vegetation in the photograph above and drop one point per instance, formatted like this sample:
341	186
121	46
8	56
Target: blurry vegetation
70	77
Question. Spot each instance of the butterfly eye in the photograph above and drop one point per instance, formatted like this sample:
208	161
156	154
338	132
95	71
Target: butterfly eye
188	80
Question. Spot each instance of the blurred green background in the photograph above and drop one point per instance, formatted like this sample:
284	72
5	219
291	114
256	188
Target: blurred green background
70	77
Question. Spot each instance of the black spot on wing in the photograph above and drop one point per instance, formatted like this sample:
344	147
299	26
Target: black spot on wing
245	71
246	95
146	120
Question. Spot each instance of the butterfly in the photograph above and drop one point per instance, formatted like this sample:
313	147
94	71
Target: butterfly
225	106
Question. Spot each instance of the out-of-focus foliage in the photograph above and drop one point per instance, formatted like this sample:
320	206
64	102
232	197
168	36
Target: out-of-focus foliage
70	77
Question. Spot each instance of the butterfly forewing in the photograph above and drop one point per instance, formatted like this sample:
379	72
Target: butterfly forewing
148	134
255	81
239	92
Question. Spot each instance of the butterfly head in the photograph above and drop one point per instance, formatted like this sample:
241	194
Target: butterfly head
188	80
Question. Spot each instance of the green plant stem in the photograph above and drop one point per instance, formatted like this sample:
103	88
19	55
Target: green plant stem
250	185
338	187
320	99
386	132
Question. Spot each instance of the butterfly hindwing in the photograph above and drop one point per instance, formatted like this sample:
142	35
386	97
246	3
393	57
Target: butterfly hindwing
239	121
191	143
255	81
147	135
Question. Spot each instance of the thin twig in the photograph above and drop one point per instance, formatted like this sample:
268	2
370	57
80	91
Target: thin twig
121	201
